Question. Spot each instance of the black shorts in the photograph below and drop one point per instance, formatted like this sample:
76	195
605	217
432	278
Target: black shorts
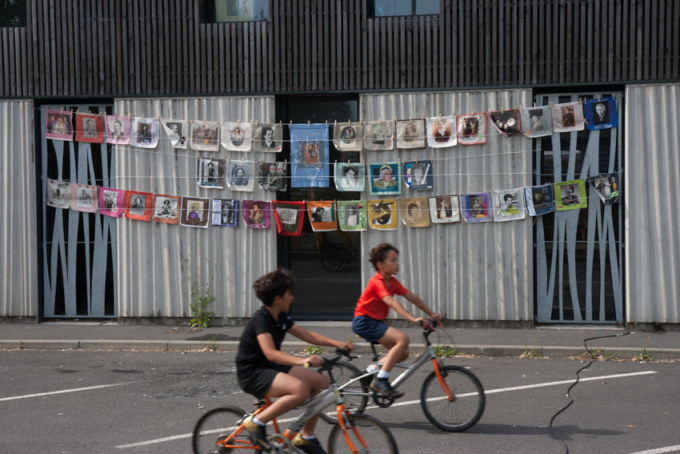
258	380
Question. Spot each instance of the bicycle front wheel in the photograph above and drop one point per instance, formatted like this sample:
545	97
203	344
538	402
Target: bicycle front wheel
365	433
215	425
462	409
354	396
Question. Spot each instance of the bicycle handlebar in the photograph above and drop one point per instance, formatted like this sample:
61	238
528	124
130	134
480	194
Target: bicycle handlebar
328	363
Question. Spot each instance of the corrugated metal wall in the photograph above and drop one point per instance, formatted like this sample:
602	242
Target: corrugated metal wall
157	262
18	253
466	271
652	172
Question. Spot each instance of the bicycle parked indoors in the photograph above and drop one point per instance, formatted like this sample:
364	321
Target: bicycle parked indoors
221	430
451	396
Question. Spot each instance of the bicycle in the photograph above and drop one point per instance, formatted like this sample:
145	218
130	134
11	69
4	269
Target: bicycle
452	397
221	430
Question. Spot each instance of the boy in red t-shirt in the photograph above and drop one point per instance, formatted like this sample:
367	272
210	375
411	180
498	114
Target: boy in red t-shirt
374	305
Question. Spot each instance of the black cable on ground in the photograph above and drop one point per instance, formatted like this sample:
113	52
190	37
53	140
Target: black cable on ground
578	378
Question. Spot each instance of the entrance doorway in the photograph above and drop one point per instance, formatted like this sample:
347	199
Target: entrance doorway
326	265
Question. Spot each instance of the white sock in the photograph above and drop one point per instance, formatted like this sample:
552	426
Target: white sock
308	437
371	368
258	422
383	374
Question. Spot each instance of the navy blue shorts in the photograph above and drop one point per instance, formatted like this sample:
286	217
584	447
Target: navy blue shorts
369	328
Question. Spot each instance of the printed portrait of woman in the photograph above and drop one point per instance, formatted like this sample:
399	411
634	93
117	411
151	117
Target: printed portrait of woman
441	130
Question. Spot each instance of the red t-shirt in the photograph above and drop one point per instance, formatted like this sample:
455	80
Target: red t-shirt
370	302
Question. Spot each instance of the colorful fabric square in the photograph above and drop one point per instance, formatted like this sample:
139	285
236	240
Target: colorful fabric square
476	207
309	156
89	128
117	129
444	209
272	176
606	186
540	199
418	175
166	208
349	176
237	136
138	205
471	129
289	217
352	215
111	202
384	178
506	122
379	135
568	117
441	132
225	213
410	134
348	136
414	212
59	125
144	132
383	214
508	205
570	195
240	175
195	212
256	213
210	173
84	198
58	194
322	215
205	135
177	131
601	114
268	138
537	121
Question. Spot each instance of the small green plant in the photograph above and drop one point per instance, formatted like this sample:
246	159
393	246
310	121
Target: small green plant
444	351
313	350
644	356
531	354
201	298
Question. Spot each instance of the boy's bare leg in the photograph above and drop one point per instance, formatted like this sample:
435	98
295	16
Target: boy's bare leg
397	343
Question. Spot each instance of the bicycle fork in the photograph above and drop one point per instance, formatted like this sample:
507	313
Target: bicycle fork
346	426
445	386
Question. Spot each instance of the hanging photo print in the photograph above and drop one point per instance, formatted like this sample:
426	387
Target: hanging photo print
240	175
111	202
309	155
601	114
59	125
58	194
166	209
138	205
271	176
507	122
84	198
471	129
177	131
195	212
349	176
382	214
348	136
379	135
568	117
537	121
225	213
410	134
418	175
322	215
540	199
237	136
268	137
289	217
570	195
89	128
256	213
476	207
210	173
117	129
441	132
508	205
352	215
205	135
384	178
414	212
605	185
444	209
144	132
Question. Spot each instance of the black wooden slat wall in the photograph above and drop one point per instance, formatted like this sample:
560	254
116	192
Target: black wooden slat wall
161	47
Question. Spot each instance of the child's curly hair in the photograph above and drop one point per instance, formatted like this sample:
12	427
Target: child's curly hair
379	253
273	284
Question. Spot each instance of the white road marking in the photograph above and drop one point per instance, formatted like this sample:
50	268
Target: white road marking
63	391
659	450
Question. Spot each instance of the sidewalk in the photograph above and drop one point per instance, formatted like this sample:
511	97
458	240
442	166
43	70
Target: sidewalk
548	341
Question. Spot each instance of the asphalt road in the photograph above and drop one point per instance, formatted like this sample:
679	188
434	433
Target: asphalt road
147	402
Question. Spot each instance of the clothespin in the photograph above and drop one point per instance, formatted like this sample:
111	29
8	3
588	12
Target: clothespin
534	104
309	123
291	123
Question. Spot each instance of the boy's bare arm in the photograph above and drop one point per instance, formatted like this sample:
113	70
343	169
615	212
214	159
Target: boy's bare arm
277	356
418	302
315	338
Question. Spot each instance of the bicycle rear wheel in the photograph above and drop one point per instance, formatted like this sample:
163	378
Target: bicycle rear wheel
355	396
362	429
460	412
215	425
